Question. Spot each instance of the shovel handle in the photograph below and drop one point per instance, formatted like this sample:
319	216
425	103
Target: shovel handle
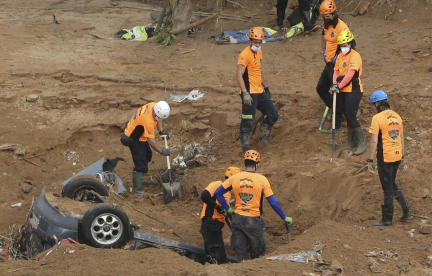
334	111
168	158
323	118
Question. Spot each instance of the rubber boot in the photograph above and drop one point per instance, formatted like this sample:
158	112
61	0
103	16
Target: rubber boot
138	182
387	216
308	26
280	19
361	146
338	124
264	134
245	140
405	208
351	140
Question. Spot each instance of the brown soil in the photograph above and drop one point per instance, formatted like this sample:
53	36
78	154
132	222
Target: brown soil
87	85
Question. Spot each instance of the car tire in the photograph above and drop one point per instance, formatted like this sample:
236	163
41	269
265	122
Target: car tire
75	188
105	226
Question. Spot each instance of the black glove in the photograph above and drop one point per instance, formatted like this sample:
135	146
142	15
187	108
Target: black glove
162	132
221	210
267	91
166	152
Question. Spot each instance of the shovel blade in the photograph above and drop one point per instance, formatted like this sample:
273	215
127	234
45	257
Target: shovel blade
171	192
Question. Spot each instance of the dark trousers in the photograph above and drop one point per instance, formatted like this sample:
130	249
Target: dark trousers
248	233
280	11
141	155
263	103
349	104
211	231
387	174
324	83
304	5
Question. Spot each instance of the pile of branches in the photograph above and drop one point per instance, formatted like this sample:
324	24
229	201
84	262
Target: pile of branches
12	243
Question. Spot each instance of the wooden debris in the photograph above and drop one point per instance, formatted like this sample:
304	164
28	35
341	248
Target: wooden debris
364	8
196	24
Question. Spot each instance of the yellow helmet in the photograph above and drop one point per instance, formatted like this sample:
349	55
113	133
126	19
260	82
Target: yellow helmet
232	171
345	37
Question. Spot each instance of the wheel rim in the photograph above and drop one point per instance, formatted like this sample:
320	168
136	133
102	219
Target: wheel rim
83	195
106	229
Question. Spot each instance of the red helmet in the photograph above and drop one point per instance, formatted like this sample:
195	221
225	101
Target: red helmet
327	7
252	155
256	33
232	171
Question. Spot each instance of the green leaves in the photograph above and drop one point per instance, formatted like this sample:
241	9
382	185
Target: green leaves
164	36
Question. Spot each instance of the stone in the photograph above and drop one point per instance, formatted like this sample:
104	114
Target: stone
424	228
32	98
26	188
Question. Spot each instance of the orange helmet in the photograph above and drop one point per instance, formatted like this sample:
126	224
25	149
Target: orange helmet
252	155
327	7
256	33
232	171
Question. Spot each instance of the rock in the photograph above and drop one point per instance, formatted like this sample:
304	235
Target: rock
32	98
26	188
336	266
429	260
430	69
113	104
408	138
374	266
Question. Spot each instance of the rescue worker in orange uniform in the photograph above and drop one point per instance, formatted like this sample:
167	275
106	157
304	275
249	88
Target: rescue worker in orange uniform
387	140
346	80
249	188
333	25
254	92
139	136
213	219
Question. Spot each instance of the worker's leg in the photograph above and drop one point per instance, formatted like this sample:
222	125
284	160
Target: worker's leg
266	106
352	102
399	195
385	172
211	231
139	156
247	122
254	230
239	241
280	10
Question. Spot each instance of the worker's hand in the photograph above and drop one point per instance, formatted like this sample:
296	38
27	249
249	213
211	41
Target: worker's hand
166	152
221	210
371	166
324	55
403	165
288	222
267	91
162	132
231	211
247	99
334	59
334	88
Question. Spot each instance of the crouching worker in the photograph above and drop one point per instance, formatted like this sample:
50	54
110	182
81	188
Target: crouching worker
249	187
139	136
213	218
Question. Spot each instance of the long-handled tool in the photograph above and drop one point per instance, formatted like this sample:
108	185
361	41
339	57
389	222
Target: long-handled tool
171	189
323	118
288	227
334	122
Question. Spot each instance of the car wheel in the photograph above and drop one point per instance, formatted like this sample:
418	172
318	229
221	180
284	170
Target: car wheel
105	226
82	189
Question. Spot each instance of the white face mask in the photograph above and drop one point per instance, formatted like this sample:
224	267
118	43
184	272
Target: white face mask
345	50
255	48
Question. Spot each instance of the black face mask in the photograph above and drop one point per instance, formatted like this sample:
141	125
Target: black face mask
328	21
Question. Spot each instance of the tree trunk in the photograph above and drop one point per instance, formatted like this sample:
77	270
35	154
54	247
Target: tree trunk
182	15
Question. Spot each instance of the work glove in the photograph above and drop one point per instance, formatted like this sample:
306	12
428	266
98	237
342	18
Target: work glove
288	222
267	91
371	166
324	55
221	210
247	99
334	88
231	211
166	152
403	165
334	59
162	132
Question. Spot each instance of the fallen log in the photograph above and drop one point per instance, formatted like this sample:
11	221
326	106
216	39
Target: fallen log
195	24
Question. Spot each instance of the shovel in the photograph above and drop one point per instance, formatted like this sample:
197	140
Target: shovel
334	123
171	189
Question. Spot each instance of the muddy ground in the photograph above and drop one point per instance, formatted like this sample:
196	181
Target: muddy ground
71	87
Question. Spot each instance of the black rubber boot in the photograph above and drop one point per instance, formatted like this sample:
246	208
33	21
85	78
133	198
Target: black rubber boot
308	26
245	140
351	140
264	134
138	182
280	19
338	124
387	216
361	146
405	208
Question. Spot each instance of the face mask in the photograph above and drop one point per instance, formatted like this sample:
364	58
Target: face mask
328	21
255	48
345	50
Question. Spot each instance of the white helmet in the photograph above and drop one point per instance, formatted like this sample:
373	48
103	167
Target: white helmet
161	110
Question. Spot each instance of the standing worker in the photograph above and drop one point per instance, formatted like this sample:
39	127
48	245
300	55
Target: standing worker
387	140
346	79
254	92
280	12
213	221
249	188
139	136
333	25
